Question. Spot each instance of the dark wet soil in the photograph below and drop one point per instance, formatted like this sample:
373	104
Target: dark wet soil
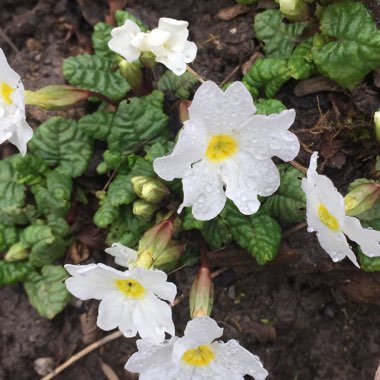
306	317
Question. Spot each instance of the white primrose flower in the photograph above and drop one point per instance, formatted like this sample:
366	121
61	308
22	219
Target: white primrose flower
326	214
195	356
168	43
130	300
13	126
124	256
224	151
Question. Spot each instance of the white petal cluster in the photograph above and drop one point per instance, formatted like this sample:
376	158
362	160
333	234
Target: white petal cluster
13	126
224	151
195	356
168	42
326	215
124	256
130	300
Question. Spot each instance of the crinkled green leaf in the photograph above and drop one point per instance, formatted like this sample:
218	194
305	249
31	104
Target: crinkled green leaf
352	48
369	264
8	236
190	223
47	292
97	125
288	203
137	122
128	228
58	225
100	38
11	192
180	86
279	38
106	214
267	73
371	214
12	272
259	234
216	233
269	106
61	144
95	73
122	16
158	149
17	215
301	63
121	191
31	170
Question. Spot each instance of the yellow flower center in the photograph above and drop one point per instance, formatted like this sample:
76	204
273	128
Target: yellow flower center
6	91
131	288
327	219
199	357
221	147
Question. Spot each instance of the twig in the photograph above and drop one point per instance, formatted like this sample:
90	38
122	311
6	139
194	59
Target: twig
82	353
218	272
230	75
191	71
294	229
298	166
8	41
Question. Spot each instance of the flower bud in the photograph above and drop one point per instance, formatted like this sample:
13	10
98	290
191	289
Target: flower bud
55	97
144	209
168	259
132	73
294	10
362	197
148	59
202	294
150	189
376	119
17	252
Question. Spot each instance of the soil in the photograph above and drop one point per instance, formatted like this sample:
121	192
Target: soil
306	317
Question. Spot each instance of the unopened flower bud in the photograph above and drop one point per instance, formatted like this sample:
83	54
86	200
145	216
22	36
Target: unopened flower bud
362	197
150	189
202	294
17	252
131	71
148	59
55	97
168	259
294	10
376	119
144	209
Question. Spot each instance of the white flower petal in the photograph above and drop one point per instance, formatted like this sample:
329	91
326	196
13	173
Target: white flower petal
178	40
153	318
203	189
20	137
173	61
110	311
158	37
369	240
7	74
124	256
203	330
190	148
172	25
90	281
268	136
245	178
189	51
237	361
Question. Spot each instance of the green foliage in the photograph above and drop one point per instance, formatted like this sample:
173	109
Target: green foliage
95	73
47	291
13	272
369	264
267	73
8	236
11	192
158	149
269	106
179	86
106	214
100	39
96	125
288	203
259	234
30	169
122	16
61	144
136	122
349	47
301	63
279	38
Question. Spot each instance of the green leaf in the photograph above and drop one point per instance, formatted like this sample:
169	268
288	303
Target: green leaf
106	214
158	149
31	170
267	73
279	38
369	264
122	16
259	234
180	86
190	223
301	63
288	203
8	236
47	292
96	125
269	106
100	38
58	225
95	73
137	122
12	272
61	144
216	233
11	192
120	191
17	215
128	228
352	43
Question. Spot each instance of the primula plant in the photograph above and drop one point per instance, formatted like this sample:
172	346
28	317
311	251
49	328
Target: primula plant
184	167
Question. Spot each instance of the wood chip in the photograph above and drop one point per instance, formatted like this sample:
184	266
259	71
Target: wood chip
313	85
229	13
